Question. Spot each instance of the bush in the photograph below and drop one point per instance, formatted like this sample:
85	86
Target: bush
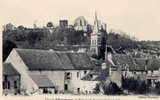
7	48
97	89
111	89
157	88
142	88
134	85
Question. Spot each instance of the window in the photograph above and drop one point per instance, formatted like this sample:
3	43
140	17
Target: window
45	90
78	90
65	87
15	84
92	42
86	92
85	72
91	75
4	85
67	75
8	83
151	71
5	78
77	74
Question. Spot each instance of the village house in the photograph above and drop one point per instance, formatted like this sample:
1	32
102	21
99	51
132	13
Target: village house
46	71
11	79
147	69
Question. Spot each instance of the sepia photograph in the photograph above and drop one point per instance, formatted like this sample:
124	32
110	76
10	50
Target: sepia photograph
80	47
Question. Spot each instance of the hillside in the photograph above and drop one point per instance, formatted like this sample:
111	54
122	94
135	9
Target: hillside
44	38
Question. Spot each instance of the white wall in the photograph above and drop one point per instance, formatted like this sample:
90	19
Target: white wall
82	84
26	82
56	77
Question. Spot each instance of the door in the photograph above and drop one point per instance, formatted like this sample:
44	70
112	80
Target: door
66	87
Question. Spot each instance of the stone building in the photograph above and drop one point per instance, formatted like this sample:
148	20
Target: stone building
98	37
63	23
44	71
146	69
80	24
11	79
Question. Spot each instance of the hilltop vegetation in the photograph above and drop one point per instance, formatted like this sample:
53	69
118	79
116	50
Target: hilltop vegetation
45	38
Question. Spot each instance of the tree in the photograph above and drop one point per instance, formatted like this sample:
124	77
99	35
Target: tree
97	89
49	24
21	27
114	89
142	87
103	48
7	48
109	89
8	27
35	36
157	87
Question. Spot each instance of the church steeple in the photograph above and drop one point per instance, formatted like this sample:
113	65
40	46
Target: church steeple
98	38
96	26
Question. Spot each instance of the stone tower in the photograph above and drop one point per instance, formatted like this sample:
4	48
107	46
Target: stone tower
98	34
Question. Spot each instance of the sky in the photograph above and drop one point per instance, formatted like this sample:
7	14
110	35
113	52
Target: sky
139	18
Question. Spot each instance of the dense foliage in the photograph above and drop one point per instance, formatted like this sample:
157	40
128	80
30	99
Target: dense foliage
108	89
7	48
49	37
136	86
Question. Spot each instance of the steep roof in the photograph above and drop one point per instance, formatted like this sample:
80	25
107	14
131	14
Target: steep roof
123	60
8	69
42	81
141	64
99	72
153	64
147	64
52	60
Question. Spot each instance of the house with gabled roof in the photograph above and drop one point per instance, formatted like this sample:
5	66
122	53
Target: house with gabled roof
143	68
63	70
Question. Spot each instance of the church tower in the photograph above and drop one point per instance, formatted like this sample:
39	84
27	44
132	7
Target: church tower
98	34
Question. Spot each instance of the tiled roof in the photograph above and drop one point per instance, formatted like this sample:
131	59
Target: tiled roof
147	64
136	64
42	81
153	64
100	73
8	69
52	60
141	64
123	60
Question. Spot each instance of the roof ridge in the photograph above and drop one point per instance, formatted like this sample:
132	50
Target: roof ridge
43	50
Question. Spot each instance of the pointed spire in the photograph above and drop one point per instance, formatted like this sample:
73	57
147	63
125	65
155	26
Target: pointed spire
96	28
96	19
